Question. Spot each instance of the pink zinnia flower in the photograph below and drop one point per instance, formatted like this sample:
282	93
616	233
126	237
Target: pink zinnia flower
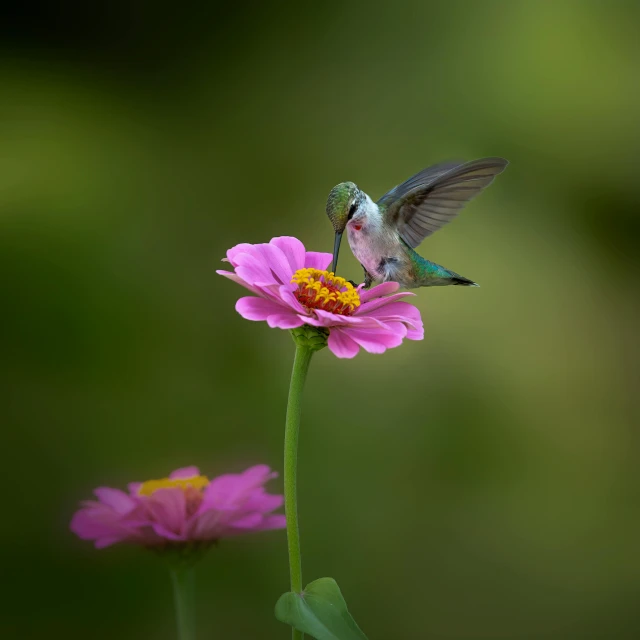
293	289
185	507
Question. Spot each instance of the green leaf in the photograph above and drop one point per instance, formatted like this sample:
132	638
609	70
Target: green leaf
320	611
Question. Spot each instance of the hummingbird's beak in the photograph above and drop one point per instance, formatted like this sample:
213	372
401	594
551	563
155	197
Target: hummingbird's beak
336	250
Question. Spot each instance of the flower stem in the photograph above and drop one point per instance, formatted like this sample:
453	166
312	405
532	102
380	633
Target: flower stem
292	428
184	591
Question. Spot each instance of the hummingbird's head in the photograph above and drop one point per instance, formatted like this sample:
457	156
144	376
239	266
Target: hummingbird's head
342	203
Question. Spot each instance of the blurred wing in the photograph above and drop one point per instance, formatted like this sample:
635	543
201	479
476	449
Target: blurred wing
426	176
435	196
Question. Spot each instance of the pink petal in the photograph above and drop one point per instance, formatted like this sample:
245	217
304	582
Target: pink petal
134	487
317	260
233	276
168	509
118	500
262	501
254	270
185	472
257	475
414	324
376	303
246	510
383	289
207	525
275	312
396	308
249	521
230	490
238	280
293	250
272	292
377	341
277	262
288	297
399	311
168	534
396	321
258	309
90	524
243	247
327	319
321	322
416	334
341	344
97	521
284	321
275	521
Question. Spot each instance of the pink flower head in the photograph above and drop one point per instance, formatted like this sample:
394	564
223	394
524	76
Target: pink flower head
185	507
292	288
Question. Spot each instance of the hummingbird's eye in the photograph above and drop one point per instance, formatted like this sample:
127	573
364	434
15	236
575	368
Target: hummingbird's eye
352	210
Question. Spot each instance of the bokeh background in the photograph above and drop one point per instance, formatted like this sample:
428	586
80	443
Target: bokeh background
483	483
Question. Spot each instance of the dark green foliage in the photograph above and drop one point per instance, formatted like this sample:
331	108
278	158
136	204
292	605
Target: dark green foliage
320	611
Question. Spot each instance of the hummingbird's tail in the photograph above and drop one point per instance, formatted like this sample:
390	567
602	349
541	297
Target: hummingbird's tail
442	277
430	274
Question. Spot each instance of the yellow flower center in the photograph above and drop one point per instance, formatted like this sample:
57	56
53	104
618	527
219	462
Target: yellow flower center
151	486
324	290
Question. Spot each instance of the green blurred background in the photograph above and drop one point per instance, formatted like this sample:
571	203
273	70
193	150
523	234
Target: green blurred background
483	483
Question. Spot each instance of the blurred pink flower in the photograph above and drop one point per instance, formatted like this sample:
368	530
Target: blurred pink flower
294	289
184	507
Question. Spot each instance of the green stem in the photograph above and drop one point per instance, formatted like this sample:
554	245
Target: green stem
292	429
184	591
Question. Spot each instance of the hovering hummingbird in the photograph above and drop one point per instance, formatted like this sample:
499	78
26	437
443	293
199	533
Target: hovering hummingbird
383	235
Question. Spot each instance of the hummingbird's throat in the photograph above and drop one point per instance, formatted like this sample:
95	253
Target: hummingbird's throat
324	290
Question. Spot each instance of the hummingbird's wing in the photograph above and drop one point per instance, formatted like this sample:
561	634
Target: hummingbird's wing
435	196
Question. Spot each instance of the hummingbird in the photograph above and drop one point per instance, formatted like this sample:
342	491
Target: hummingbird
383	235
